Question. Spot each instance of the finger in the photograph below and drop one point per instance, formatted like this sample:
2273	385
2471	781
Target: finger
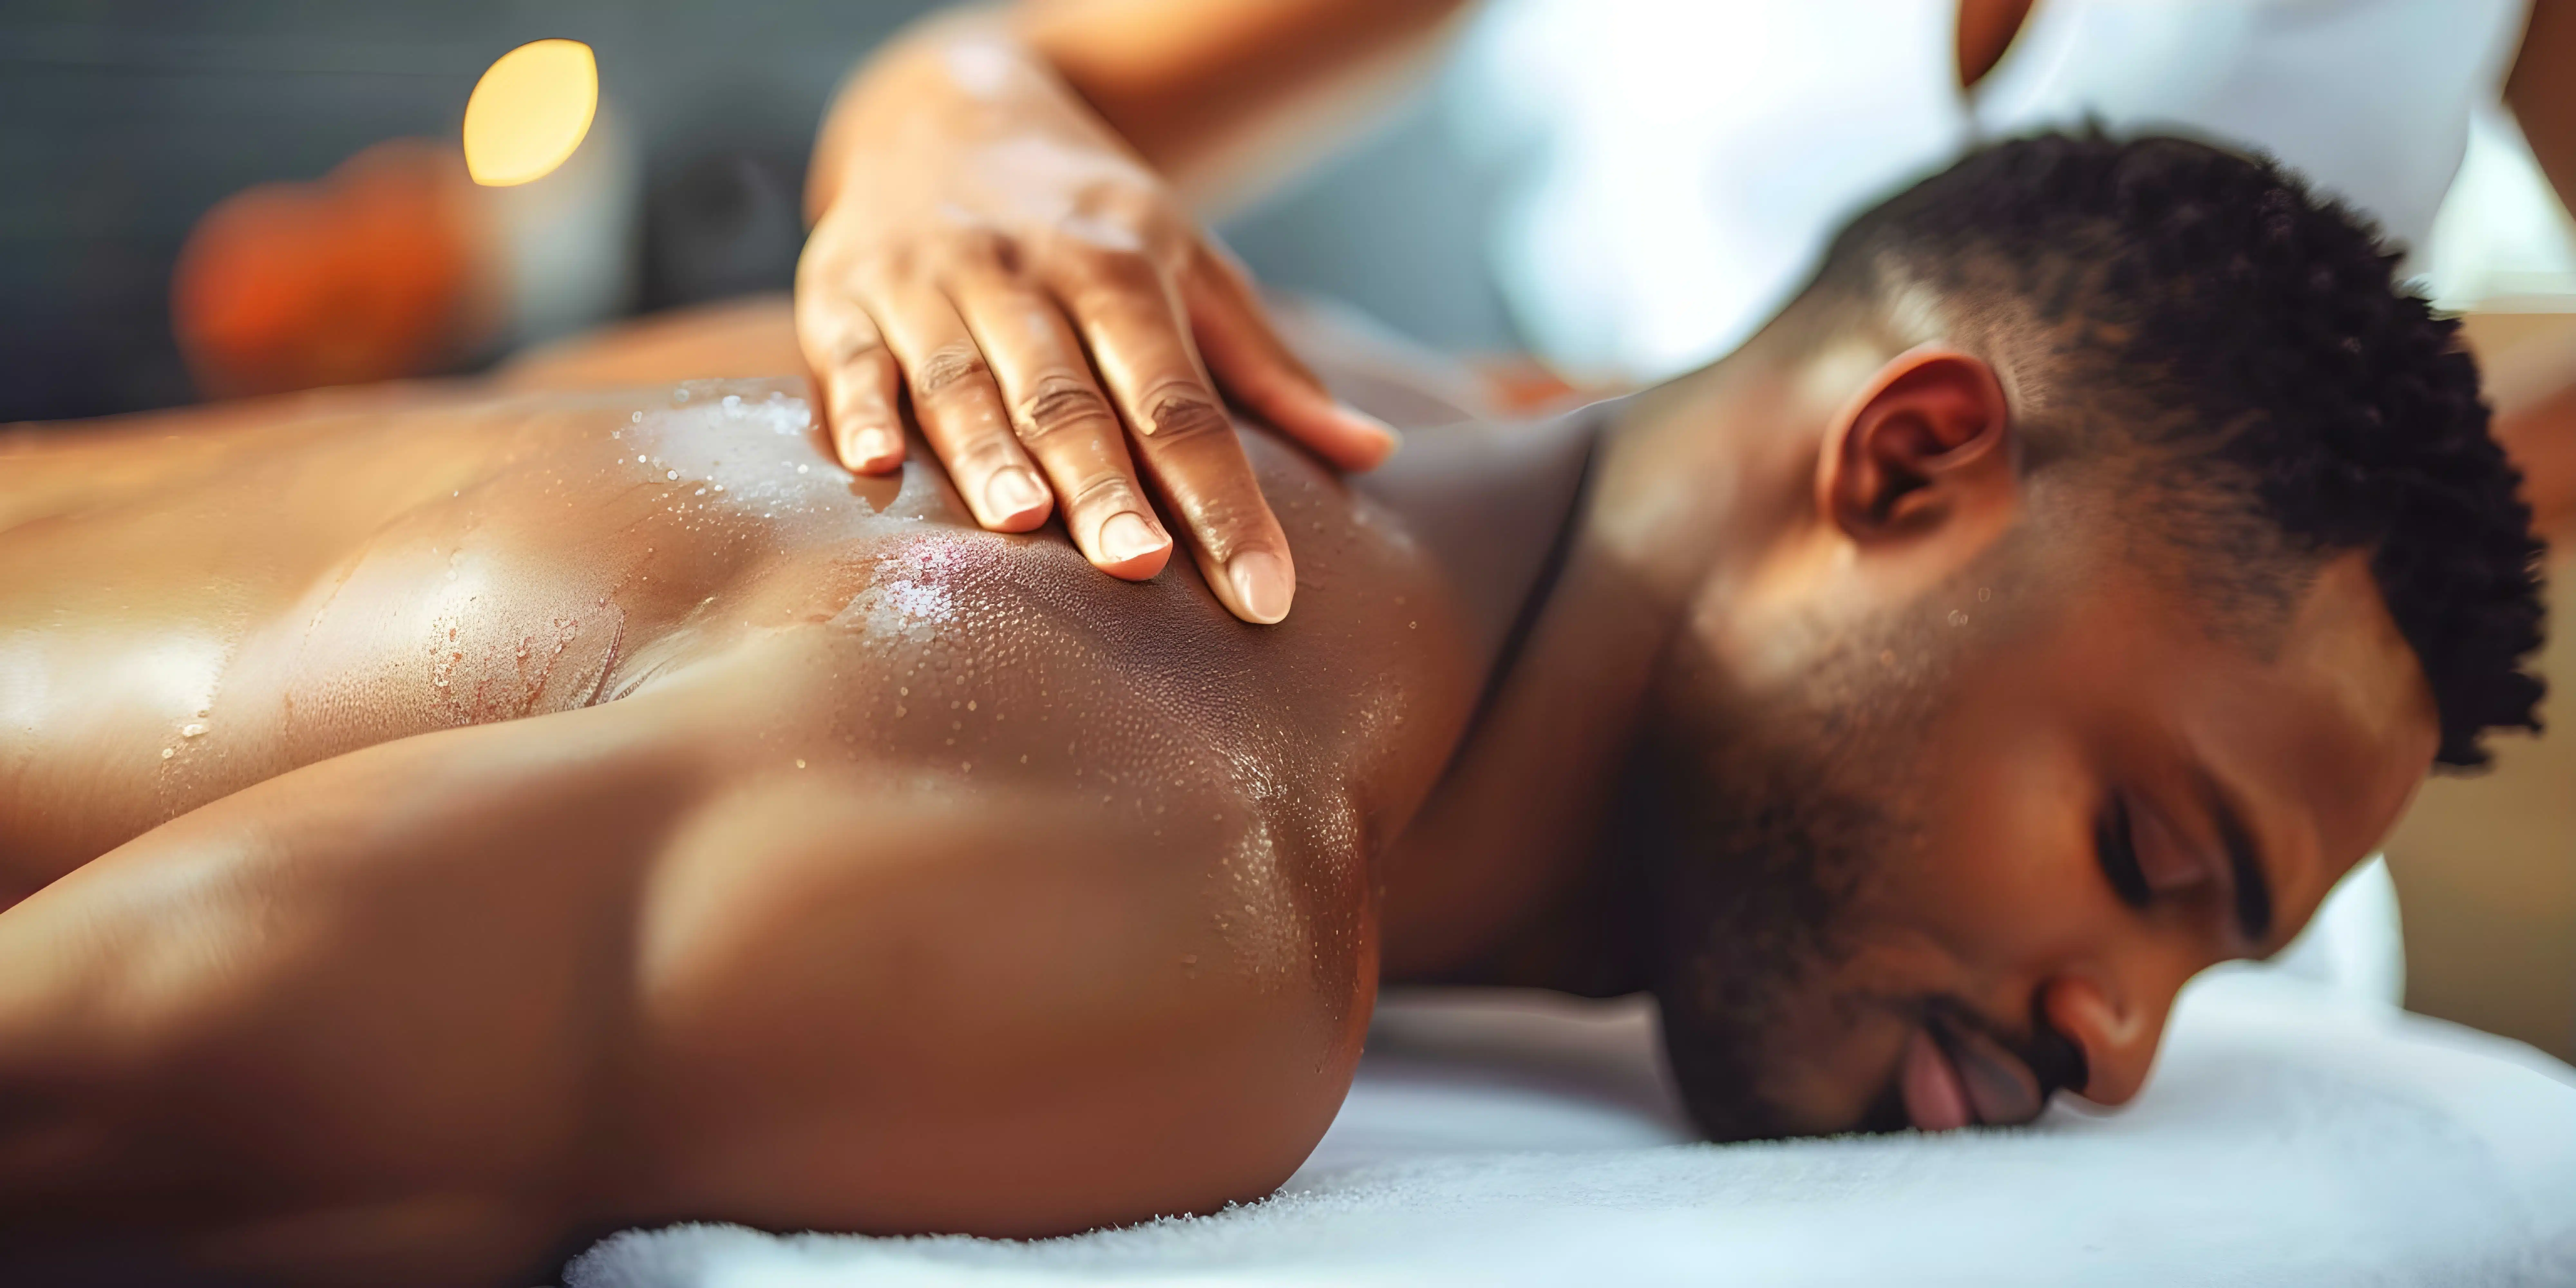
1187	443
856	375
960	410
1234	333
1063	421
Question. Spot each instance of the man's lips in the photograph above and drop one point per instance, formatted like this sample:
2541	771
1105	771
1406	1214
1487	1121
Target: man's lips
1953	1076
1935	1096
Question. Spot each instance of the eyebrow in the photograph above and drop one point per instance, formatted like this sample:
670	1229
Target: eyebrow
2244	863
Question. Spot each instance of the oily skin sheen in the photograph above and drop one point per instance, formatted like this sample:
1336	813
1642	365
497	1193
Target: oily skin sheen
440	827
595	807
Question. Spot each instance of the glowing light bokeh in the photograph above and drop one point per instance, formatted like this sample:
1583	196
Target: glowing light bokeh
530	111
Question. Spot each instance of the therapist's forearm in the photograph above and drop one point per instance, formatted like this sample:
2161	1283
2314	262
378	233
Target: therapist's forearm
2542	92
1217	97
2535	391
1214	94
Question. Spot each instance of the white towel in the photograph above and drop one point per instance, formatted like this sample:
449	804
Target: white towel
2291	1137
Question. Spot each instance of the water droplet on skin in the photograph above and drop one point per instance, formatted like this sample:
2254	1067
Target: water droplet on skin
898	711
680	395
1958	617
192	731
804	469
1985	593
800	764
669	475
168	752
970	705
638	418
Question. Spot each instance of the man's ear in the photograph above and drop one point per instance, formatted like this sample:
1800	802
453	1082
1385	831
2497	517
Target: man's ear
1927	441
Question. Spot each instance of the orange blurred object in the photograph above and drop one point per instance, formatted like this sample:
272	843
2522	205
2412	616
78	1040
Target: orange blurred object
364	275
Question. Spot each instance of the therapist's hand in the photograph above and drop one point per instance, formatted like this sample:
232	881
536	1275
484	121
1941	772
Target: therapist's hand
987	243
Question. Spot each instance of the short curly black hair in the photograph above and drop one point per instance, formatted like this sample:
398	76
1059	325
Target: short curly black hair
2254	336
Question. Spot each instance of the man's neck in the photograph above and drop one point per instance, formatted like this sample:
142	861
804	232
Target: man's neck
1503	875
1493	505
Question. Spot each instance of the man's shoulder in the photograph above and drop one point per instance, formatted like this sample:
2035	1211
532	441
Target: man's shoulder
1001	729
849	969
924	645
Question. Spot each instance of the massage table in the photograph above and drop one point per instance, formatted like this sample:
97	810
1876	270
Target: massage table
2300	1130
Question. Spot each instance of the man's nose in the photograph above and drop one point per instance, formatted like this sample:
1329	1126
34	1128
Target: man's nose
2116	1018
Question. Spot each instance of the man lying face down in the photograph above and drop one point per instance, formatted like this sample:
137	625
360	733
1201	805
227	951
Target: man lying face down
444	828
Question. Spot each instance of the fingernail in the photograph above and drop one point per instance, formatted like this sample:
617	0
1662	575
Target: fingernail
874	451
1387	439
1261	584
1012	494
1365	420
1126	536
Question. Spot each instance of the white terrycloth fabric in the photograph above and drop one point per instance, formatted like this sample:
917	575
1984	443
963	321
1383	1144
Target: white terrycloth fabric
2356	944
2292	1137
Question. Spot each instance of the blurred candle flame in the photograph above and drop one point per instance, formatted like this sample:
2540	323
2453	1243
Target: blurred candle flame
529	112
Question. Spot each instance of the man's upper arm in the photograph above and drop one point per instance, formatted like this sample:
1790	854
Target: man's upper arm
363	998
955	1006
616	965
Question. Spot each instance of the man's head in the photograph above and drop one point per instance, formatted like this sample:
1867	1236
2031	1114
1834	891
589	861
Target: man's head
2133	598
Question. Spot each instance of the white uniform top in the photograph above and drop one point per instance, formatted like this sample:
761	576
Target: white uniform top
1676	166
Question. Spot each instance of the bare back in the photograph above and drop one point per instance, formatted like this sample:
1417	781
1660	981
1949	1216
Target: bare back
326	574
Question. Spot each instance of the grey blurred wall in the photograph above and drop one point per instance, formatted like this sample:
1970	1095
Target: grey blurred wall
123	121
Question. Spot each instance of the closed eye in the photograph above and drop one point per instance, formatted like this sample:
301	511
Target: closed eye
2115	845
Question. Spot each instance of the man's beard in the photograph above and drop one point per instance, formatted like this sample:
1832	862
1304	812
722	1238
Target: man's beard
1752	856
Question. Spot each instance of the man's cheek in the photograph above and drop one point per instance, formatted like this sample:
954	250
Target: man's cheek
2004	853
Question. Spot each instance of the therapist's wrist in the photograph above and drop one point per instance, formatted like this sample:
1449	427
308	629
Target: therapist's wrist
951	78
